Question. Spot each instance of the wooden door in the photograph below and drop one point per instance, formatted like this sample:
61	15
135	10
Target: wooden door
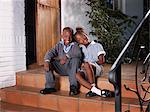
47	27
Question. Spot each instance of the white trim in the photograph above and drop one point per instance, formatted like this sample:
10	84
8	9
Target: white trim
101	52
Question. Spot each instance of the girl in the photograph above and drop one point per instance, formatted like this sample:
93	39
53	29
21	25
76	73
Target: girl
94	58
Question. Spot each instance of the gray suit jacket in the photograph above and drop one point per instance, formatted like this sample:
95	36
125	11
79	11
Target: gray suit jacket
58	52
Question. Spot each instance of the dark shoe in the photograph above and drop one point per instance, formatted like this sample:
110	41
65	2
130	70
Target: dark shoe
47	90
107	93
73	90
90	94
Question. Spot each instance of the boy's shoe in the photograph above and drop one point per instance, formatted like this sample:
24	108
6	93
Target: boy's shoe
107	93
73	90
90	94
47	90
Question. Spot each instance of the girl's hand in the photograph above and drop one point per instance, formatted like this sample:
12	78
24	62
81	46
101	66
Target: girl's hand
101	59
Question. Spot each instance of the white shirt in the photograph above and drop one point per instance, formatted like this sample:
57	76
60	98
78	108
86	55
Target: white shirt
92	51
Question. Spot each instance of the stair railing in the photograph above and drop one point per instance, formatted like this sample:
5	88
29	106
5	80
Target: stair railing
115	71
139	84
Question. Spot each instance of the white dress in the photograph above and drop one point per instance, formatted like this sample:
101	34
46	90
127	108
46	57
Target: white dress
91	53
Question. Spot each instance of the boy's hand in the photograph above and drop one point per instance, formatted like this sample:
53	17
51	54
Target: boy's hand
63	60
46	66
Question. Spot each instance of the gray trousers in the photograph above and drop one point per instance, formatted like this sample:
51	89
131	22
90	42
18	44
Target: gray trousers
68	69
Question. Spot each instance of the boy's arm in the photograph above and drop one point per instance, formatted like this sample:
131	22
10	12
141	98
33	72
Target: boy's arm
51	53
48	56
75	52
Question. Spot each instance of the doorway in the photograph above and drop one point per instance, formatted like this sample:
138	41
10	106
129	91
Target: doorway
42	28
30	31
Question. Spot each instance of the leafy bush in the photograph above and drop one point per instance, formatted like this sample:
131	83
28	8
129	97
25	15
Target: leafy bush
109	27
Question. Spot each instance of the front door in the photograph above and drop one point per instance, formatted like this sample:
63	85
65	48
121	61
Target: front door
47	27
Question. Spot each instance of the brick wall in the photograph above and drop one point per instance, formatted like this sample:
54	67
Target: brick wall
12	41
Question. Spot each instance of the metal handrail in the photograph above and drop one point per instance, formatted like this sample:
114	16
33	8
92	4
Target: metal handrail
115	71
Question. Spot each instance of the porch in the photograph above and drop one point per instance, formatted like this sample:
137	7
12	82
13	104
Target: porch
25	96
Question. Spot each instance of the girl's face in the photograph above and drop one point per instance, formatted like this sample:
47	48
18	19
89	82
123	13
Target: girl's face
81	39
67	37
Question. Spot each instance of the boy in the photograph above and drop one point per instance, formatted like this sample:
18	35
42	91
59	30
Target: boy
64	58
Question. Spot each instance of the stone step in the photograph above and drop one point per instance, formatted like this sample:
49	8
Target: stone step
60	101
8	107
36	79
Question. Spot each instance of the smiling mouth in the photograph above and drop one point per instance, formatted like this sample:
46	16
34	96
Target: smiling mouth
67	41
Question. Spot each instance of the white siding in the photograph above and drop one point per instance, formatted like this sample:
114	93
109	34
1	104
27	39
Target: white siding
12	41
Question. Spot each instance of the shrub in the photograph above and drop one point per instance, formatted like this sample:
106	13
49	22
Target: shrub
109	27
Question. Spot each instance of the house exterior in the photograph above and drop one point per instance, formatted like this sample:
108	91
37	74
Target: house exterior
17	34
73	12
13	35
12	41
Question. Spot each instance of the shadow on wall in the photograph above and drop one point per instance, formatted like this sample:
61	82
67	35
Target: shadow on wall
73	14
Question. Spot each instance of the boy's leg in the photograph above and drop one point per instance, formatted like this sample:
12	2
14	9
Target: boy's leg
50	78
49	84
59	68
70	69
73	66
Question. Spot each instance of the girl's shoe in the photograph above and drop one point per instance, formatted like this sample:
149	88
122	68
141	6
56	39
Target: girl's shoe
90	94
107	93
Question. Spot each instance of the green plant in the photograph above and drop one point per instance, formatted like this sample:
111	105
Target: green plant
109	27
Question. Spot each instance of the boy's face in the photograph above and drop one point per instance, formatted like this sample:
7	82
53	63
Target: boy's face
67	37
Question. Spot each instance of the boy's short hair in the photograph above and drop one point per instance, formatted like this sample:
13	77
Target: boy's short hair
68	29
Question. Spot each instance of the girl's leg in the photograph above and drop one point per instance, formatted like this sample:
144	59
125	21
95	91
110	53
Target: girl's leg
86	84
82	81
90	73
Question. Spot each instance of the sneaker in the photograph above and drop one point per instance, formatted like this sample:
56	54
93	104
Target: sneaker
73	90
47	90
90	94
107	93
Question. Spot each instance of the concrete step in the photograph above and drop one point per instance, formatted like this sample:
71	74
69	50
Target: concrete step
8	107
35	78
60	101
